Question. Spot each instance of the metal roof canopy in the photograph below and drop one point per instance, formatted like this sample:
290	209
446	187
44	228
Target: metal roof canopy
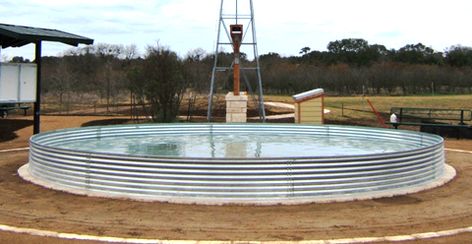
17	36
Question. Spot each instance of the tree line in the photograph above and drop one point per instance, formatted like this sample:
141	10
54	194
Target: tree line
160	77
107	74
353	66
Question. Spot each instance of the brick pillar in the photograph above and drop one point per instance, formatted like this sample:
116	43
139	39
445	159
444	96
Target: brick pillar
236	108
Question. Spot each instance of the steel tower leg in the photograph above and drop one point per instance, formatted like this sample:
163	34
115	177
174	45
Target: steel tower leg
215	64
258	67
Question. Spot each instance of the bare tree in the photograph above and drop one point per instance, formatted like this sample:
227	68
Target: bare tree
160	81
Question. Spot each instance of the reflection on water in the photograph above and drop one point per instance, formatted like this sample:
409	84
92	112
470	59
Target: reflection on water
237	145
236	150
168	149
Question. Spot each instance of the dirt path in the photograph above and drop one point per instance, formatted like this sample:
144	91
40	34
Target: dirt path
16	130
280	105
26	205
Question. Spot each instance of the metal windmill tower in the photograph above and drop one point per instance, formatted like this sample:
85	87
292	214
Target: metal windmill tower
234	12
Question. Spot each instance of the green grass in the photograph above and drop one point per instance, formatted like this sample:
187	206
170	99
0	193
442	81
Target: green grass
381	104
384	103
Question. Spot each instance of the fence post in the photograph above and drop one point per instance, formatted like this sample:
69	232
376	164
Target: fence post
462	117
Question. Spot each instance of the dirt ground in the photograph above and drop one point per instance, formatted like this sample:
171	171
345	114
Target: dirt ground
23	204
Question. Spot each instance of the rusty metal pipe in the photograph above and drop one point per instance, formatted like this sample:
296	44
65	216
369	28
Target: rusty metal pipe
236	36
236	79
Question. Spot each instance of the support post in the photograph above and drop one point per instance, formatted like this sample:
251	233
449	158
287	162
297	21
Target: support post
462	117
236	37
37	103
236	107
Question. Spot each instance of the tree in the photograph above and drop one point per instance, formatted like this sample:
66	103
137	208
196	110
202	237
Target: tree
159	80
130	52
319	58
270	58
196	70
304	50
351	45
62	80
380	49
417	54
459	56
18	59
355	51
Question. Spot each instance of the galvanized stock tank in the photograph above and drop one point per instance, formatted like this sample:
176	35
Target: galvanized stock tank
236	163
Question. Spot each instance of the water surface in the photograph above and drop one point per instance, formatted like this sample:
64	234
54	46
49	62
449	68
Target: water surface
237	145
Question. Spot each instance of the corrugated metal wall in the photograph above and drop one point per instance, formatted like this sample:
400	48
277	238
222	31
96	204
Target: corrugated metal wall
226	180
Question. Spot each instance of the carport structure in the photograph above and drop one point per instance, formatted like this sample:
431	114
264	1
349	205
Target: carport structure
17	36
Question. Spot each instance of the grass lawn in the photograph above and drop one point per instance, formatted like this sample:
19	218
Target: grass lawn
382	103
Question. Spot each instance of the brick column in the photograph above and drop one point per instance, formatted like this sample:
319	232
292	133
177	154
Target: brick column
236	108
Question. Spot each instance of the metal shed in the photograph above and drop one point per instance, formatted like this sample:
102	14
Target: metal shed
309	107
17	36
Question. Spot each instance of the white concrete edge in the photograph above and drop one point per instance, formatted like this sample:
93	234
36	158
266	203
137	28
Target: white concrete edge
73	236
457	150
14	150
449	174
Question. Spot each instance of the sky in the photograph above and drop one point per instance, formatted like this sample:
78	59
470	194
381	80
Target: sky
282	26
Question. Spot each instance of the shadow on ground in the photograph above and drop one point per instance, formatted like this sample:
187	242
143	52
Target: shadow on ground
107	122
9	126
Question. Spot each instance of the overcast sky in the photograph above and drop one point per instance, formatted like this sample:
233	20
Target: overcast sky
283	26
